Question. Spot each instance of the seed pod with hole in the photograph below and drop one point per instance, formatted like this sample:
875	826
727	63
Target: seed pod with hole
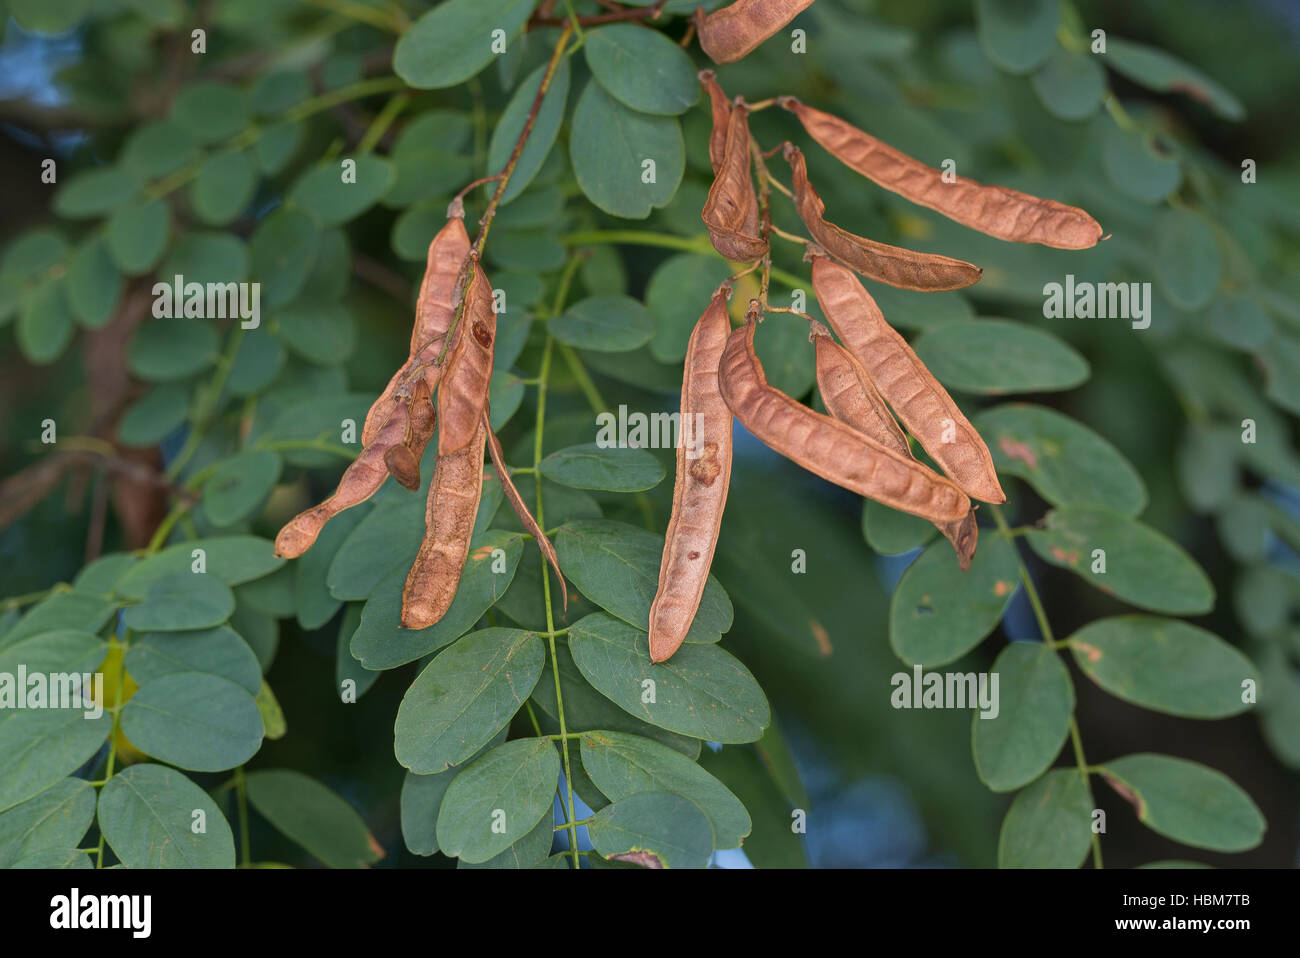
463	391
850	397
700	489
827	447
435	306
360	481
996	210
904	268
525	515
454	494
728	34
403	461
922	404
731	210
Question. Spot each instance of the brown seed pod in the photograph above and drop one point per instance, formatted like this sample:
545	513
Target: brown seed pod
731	211
996	210
721	109
922	404
360	481
403	461
827	447
454	495
434	308
463	391
728	34
700	489
850	397
904	268
521	509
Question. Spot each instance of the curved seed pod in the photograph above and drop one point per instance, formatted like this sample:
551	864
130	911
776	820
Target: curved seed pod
360	481
827	447
850	397
700	489
721	108
728	34
449	514
731	211
521	509
996	210
403	461
434	308
904	268
923	405
463	392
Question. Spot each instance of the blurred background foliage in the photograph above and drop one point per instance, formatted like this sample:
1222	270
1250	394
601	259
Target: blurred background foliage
887	787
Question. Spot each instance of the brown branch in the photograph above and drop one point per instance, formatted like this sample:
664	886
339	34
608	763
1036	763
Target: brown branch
595	19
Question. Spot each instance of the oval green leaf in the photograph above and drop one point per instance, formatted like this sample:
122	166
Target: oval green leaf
590	466
313	816
1142	567
702	691
497	799
467	694
1035	701
627	163
194	720
995	356
608	324
1187	802
147	815
939	613
1066	462
1165	665
1049	825
616	566
621	765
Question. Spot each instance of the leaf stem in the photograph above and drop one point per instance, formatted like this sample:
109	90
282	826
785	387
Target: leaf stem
1044	627
544	375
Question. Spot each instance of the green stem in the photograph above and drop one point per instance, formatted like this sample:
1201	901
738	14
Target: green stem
689	244
544	375
112	734
1031	591
392	109
241	797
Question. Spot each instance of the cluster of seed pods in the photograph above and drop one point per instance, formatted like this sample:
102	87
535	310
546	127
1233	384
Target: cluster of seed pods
450	360
867	378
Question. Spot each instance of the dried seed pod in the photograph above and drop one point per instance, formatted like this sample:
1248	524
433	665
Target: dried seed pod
360	481
700	489
525	515
850	397
721	109
728	34
454	495
731	211
827	447
922	404
463	391
403	461
904	268
434	308
996	210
